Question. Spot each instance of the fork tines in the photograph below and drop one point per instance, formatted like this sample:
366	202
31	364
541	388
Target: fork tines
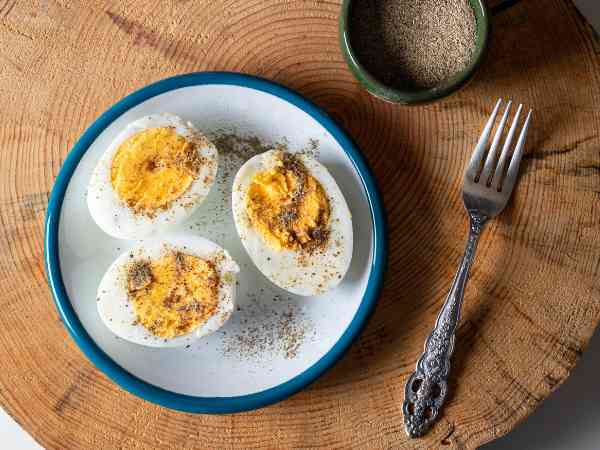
493	171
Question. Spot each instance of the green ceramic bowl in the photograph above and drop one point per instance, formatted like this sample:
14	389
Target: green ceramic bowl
415	96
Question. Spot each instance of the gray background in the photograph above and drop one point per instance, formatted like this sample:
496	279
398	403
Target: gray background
570	418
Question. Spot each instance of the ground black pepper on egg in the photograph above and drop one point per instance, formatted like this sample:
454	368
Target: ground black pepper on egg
139	275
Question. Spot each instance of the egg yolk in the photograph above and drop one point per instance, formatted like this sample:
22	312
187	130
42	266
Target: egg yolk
288	207
174	294
153	168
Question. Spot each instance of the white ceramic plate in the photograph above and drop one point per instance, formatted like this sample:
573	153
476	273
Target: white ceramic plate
276	343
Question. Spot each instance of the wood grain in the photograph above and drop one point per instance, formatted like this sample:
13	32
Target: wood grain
532	303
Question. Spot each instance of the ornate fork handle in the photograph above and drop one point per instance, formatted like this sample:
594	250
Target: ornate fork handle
426	389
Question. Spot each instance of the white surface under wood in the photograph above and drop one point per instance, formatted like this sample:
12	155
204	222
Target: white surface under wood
13	437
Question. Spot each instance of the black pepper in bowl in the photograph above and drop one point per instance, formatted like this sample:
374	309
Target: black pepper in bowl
413	44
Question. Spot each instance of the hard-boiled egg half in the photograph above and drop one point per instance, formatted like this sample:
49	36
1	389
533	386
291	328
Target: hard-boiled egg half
153	175
168	292
293	221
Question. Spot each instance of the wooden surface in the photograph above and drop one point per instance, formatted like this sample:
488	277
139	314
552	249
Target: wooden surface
532	303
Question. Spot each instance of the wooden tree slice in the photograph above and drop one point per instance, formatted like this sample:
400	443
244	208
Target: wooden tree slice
532	303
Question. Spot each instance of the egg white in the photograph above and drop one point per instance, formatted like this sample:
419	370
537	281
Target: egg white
115	218
117	312
297	272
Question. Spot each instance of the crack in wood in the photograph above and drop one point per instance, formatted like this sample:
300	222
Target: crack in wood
541	155
446	439
141	36
144	37
66	399
16	31
29	204
592	169
9	9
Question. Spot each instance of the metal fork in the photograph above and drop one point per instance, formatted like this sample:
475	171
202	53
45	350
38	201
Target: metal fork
487	187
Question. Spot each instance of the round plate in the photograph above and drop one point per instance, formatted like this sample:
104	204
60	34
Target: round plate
275	343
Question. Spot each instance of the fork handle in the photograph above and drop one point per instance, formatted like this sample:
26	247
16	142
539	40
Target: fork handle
426	389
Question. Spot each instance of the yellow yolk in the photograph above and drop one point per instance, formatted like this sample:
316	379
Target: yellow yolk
288	207
173	295
153	168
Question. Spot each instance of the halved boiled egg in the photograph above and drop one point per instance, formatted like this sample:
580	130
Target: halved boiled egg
168	292
293	221
154	174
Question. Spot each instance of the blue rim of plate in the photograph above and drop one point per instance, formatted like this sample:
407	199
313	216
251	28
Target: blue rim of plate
188	403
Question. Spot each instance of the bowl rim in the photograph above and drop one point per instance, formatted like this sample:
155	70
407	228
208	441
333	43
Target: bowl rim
189	403
417	96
